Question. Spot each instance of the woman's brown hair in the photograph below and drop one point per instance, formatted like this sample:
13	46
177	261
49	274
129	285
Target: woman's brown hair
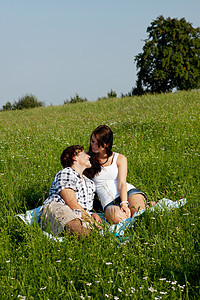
104	136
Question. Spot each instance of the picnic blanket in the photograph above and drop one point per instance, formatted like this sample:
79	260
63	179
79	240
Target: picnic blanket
32	217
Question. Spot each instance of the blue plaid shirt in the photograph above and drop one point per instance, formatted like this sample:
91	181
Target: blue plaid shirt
69	178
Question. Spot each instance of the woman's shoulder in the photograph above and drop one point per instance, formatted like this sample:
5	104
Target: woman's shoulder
121	158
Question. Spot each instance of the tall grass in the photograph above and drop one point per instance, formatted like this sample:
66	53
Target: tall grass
159	134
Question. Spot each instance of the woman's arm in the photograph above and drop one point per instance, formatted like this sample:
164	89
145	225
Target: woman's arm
122	187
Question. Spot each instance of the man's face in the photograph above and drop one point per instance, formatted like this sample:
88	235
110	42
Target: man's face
84	159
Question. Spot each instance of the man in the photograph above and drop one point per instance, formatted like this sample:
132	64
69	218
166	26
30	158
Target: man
70	201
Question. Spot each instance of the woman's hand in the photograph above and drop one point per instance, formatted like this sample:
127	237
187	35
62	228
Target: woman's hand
126	209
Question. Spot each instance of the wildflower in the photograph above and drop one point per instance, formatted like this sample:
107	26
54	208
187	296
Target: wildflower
162	279
145	278
8	261
108	263
43	288
116	298
58	261
21	297
107	295
163	293
89	283
119	290
151	289
181	287
174	282
70	258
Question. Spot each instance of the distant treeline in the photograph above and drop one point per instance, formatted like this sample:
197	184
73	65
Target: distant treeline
30	101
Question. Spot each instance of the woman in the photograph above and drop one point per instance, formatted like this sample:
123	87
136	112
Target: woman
119	199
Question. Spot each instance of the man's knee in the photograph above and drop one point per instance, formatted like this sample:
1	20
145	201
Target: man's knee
76	227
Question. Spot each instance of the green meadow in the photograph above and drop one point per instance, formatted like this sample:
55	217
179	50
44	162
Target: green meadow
159	134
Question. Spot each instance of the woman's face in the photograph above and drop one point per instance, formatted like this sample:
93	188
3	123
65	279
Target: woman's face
94	144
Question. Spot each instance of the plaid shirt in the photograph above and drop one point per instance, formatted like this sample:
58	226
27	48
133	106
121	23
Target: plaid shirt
69	178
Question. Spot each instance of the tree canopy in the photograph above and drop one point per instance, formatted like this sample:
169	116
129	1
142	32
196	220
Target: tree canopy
75	99
25	102
170	57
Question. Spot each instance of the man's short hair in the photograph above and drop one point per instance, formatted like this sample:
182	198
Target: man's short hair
67	157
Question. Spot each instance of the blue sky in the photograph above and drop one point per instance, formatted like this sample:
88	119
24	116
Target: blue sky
55	49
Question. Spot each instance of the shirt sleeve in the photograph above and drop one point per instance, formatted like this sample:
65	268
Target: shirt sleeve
65	179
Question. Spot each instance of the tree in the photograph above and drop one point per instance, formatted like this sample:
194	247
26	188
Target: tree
75	99
7	106
170	57
112	94
27	101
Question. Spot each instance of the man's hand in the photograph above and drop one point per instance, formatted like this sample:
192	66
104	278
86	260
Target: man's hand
98	220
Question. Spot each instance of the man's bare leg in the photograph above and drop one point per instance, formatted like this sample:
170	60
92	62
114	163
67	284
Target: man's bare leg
76	228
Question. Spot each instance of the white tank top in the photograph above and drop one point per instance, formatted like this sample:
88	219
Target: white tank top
106	182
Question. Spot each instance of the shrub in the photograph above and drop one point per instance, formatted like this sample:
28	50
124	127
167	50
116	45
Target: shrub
75	99
7	106
111	94
28	101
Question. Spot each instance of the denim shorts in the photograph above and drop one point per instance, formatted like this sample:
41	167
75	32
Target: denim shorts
131	192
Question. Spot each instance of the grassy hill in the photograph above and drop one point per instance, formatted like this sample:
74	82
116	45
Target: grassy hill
159	134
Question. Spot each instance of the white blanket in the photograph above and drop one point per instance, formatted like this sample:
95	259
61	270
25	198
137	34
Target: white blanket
32	217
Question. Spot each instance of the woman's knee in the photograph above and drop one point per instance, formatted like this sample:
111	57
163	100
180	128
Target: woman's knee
114	214
137	202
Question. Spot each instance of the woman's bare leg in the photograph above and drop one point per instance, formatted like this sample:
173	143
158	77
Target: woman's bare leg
114	214
136	203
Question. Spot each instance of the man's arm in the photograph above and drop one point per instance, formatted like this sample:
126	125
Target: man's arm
69	196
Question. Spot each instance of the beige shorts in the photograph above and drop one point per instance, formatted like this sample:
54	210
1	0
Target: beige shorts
55	217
